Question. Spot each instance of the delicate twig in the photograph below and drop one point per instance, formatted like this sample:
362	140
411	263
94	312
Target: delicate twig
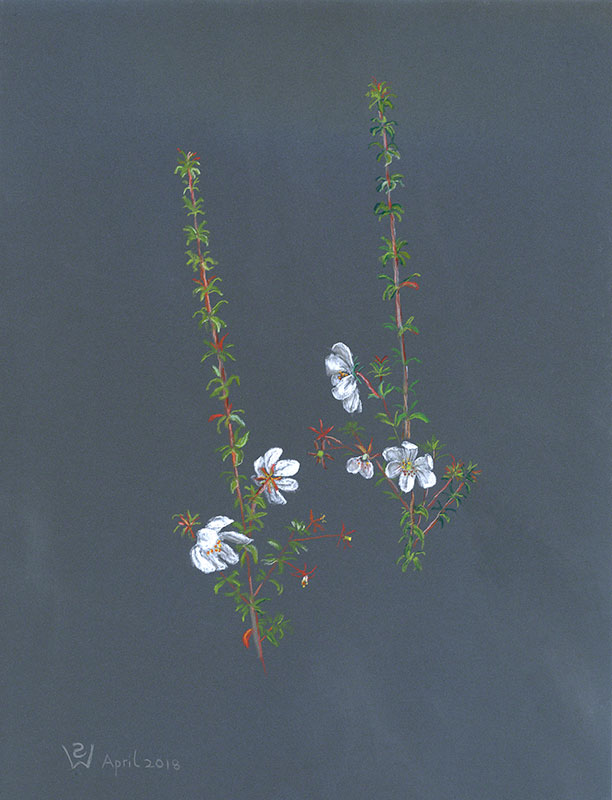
230	429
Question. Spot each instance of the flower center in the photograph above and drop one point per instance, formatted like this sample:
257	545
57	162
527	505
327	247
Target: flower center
407	466
342	375
365	458
216	548
269	477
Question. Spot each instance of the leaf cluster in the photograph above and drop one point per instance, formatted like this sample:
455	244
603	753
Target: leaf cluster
414	538
281	555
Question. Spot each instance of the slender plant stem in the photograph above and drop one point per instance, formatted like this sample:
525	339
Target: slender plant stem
293	539
374	392
226	404
392	485
398	303
435	497
450	500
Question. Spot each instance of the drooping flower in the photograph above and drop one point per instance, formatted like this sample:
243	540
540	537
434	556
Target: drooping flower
403	461
210	552
346	537
305	575
340	366
272	474
360	464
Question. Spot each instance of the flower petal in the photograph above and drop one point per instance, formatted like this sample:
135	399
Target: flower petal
287	484
393	454
200	560
352	403
406	482
352	465
367	469
217	562
425	476
286	467
342	351
410	451
271	457
234	537
274	496
216	523
206	538
426	460
343	387
229	555
334	364
258	465
393	469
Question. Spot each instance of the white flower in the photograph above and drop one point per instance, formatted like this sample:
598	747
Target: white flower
403	462
273	474
340	366
361	464
210	553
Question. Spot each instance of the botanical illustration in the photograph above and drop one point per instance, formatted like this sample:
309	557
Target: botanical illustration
426	484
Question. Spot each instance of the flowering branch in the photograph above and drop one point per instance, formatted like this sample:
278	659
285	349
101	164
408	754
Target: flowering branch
201	261
405	472
393	250
213	550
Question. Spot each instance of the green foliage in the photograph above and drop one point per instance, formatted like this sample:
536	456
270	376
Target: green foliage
352	428
388	184
387	209
186	524
407	327
280	559
274	628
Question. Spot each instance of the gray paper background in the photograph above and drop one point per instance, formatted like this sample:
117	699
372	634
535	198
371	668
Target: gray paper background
486	677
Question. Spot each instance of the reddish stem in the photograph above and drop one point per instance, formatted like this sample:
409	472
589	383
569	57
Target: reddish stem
392	485
434	498
373	390
230	429
444	507
398	305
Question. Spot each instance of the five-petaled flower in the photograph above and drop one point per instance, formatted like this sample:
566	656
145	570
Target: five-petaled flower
403	461
272	474
211	553
340	366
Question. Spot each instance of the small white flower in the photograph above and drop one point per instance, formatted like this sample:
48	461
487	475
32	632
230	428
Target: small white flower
273	474
403	462
211	553
340	366
361	464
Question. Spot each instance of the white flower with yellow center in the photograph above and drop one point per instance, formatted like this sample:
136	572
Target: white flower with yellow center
360	464
340	366
210	552
272	474
403	461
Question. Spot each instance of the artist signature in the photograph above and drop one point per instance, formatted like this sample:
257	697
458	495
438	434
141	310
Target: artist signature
81	757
